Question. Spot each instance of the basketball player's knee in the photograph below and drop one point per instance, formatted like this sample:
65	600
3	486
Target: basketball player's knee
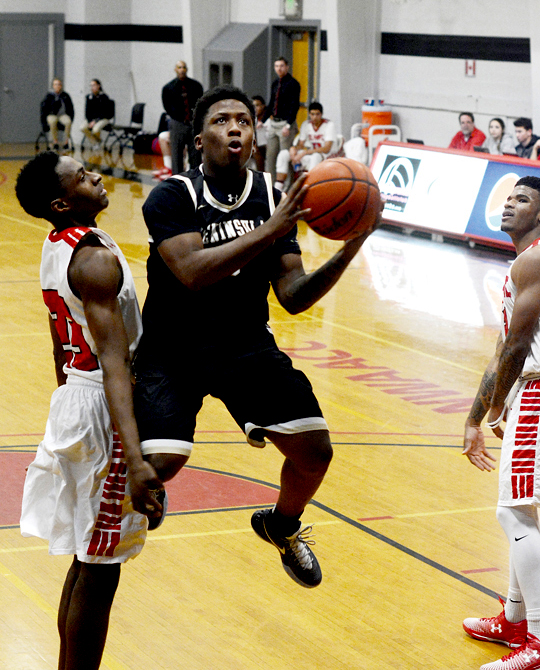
321	456
167	465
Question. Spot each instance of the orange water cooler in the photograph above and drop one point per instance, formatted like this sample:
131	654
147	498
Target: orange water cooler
375	113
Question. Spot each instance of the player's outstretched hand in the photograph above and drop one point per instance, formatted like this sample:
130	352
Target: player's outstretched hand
475	448
143	481
289	211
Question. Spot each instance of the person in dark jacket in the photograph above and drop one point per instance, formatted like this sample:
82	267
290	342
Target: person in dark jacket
179	97
99	112
281	114
57	107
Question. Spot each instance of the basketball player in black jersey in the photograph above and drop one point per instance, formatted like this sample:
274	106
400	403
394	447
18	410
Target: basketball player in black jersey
220	236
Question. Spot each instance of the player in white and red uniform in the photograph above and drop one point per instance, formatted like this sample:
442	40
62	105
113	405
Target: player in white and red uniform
316	141
88	477
510	391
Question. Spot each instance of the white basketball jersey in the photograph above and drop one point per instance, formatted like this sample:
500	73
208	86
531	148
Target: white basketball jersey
66	309
531	367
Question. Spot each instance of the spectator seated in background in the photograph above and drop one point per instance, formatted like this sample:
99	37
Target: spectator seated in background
56	108
317	139
98	113
499	142
469	136
525	137
355	148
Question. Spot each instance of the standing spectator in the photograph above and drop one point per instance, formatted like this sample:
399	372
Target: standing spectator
179	97
525	137
282	110
317	140
469	136
499	142
57	107
98	112
259	155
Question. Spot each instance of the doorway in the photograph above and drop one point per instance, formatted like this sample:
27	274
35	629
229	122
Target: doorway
31	54
299	42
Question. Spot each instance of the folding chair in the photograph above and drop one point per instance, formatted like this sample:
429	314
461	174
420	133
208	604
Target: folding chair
124	135
377	134
106	129
43	137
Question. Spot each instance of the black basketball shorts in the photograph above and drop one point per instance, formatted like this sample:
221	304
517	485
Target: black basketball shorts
260	388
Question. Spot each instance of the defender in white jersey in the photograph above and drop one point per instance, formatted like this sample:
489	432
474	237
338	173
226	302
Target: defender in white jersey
88	490
510	392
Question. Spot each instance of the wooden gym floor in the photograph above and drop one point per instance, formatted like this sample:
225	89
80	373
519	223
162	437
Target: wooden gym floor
405	526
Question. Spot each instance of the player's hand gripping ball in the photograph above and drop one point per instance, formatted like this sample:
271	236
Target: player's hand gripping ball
344	198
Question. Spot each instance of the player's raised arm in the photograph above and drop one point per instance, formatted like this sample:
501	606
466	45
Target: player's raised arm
296	291
196	266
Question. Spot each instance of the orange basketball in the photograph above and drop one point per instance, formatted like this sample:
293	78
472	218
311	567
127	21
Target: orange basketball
344	198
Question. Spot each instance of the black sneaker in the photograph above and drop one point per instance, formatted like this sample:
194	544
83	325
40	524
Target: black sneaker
299	562
161	497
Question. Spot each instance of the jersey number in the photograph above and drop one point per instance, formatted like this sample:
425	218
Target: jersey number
78	353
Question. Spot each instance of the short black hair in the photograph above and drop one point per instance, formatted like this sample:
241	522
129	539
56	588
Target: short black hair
530	181
260	99
97	82
215	95
38	184
467	114
281	58
315	105
523	122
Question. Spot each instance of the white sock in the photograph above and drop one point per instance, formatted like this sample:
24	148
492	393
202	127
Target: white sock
278	185
167	162
514	610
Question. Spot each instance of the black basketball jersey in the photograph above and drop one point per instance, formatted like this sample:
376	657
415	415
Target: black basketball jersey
233	310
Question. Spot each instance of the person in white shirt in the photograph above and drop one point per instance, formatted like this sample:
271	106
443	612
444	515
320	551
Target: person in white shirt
316	141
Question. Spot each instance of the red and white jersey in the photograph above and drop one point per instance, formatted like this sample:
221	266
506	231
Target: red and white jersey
531	367
315	139
66	309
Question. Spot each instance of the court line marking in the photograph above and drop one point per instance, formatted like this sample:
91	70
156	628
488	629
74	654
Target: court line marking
421	514
43	229
369	531
375	534
50	611
379	340
235	531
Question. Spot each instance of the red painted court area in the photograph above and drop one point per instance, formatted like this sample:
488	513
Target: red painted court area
190	490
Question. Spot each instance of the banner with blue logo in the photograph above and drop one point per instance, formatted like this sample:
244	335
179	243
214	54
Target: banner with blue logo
443	191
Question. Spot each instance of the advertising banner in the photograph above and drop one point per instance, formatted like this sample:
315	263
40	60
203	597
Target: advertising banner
461	194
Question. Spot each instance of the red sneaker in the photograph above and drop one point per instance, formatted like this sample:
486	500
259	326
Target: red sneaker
497	629
527	657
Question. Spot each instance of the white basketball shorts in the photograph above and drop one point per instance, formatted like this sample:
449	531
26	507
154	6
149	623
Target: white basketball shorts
76	494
